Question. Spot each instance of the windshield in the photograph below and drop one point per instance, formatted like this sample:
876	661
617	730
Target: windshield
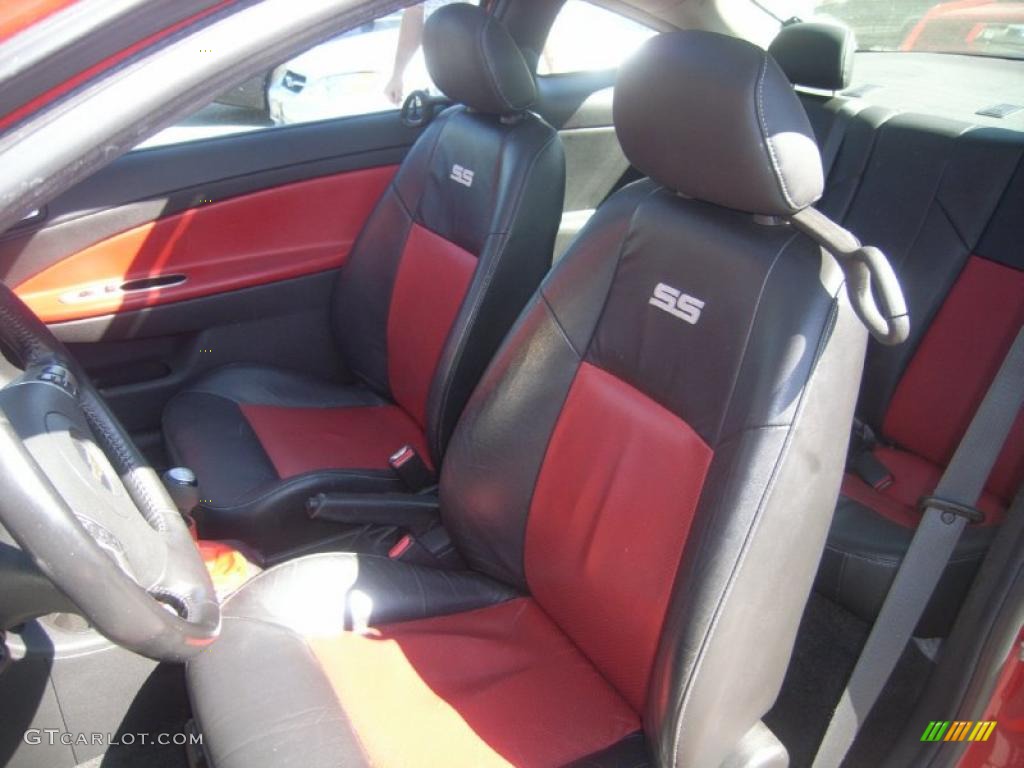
977	27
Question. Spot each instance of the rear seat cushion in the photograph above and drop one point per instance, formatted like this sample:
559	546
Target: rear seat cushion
865	550
913	478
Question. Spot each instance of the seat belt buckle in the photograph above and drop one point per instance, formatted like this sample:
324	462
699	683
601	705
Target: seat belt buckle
401	547
433	548
864	433
872	471
946	507
411	469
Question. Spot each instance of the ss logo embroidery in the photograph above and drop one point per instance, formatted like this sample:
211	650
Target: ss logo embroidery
462	175
677	303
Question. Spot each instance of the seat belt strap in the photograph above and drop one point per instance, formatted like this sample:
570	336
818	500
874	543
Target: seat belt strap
929	552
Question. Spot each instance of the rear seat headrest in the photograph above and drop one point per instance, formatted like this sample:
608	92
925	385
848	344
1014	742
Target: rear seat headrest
473	60
713	118
816	54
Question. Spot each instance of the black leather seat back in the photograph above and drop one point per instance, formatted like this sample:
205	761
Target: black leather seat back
656	450
462	236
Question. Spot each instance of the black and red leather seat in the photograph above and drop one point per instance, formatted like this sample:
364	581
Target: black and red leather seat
453	250
641	483
954	236
944	199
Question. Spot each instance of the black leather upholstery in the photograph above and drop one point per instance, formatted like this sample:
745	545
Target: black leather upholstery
506	219
815	54
472	58
559	328
242	496
510	223
864	552
766	379
363	590
903	197
754	153
931	193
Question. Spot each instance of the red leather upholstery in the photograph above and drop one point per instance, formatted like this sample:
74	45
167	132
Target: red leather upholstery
300	440
266	236
497	686
433	277
615	458
912	479
953	367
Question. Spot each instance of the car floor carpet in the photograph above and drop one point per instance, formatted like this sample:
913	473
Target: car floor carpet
828	643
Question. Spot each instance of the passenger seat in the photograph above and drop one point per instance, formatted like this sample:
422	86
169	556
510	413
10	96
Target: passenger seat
448	258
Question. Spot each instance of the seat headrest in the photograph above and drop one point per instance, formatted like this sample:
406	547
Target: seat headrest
473	59
713	118
816	54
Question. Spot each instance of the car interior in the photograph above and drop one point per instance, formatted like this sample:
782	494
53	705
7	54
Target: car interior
663	410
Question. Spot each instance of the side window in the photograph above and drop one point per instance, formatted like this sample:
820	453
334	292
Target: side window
586	37
368	69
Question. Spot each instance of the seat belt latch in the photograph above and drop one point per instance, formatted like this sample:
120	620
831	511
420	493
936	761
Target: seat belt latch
433	548
872	471
972	514
401	546
411	469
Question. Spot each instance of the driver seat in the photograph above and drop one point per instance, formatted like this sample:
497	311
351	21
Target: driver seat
641	484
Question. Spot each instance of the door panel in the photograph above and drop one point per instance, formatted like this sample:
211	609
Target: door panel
141	359
257	223
146	185
249	240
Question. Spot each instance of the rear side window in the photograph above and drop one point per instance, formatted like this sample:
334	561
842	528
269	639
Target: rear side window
586	37
973	27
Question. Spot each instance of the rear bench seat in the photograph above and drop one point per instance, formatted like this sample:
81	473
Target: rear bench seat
945	201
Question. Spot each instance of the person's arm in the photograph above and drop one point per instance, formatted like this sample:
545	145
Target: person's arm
410	35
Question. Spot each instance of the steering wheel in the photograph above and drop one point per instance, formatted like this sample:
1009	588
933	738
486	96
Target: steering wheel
79	498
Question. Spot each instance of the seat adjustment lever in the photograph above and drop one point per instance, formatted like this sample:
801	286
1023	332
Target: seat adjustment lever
415	513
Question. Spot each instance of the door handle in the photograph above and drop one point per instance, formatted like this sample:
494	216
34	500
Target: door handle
33	217
151	283
97	291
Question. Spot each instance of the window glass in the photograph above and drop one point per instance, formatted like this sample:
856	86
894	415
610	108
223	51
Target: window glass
978	27
368	69
587	37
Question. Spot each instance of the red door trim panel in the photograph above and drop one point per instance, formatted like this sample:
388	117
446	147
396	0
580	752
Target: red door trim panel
267	236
